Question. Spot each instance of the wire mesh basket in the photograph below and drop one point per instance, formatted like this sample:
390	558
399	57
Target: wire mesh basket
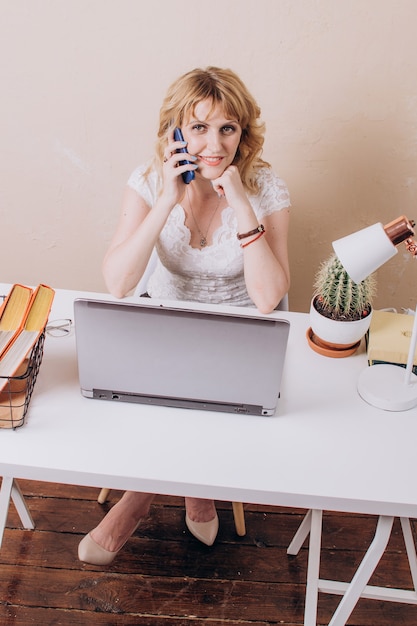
17	391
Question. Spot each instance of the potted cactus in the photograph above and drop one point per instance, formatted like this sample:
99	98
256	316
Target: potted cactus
341	310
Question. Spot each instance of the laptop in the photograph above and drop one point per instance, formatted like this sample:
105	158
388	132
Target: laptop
215	358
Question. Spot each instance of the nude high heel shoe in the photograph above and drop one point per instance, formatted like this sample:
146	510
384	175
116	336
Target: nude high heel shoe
206	532
90	552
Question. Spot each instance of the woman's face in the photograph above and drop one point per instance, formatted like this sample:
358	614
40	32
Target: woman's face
212	138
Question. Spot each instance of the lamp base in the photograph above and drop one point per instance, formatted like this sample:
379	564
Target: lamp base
383	386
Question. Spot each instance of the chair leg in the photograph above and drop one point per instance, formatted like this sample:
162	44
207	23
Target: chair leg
239	516
102	496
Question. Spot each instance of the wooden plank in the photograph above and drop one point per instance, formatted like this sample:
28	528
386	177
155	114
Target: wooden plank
23	616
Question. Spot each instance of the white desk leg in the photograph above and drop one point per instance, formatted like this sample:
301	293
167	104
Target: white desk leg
364	571
301	535
5	494
313	568
358	587
410	547
21	507
10	489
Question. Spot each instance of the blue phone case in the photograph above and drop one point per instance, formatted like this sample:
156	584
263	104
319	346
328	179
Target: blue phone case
186	176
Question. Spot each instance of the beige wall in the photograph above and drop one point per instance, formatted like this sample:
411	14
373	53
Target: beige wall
82	82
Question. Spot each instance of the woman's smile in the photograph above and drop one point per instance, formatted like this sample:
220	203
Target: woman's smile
210	161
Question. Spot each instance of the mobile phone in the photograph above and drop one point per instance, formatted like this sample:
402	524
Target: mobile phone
186	176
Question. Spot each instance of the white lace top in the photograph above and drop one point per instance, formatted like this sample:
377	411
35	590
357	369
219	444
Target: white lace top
213	274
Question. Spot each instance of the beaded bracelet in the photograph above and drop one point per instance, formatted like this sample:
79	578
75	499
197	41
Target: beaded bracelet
259	229
262	232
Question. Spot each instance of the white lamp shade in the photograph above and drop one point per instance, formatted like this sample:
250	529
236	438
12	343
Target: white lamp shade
364	251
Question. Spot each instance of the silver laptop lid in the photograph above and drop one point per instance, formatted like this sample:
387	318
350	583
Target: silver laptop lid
165	354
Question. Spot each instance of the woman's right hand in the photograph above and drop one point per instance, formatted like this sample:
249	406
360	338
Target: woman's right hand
173	184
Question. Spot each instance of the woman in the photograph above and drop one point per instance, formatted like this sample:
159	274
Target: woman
222	238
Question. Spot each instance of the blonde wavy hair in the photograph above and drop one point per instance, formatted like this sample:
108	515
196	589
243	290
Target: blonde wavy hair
223	87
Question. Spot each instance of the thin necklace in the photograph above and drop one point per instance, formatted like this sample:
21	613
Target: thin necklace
203	237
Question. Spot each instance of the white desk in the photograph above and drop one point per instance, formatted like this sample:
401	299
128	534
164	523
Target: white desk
324	450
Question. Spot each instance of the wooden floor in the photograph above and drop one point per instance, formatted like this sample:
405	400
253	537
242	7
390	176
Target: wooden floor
164	576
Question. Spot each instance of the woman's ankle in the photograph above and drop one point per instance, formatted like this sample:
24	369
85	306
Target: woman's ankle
199	510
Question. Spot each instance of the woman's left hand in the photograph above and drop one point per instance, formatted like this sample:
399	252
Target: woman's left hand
230	185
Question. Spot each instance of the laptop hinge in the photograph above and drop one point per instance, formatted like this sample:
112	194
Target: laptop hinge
121	396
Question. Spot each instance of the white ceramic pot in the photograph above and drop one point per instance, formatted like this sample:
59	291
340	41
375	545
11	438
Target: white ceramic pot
338	332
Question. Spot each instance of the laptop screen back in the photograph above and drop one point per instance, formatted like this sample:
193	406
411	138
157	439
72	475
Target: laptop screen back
154	354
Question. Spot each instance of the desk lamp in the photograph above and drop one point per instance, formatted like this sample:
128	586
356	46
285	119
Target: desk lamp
385	386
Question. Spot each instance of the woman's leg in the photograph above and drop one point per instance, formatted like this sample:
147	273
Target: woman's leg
102	544
122	520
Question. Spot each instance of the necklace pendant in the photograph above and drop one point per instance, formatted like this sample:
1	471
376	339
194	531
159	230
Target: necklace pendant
203	242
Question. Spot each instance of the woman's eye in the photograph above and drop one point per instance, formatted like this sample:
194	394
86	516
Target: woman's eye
198	127
228	130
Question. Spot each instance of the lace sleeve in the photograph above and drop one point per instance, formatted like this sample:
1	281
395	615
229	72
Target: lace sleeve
273	195
144	186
